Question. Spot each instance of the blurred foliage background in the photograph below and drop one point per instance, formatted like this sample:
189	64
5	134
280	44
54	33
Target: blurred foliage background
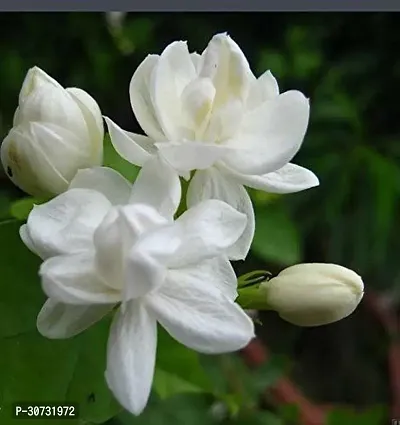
349	67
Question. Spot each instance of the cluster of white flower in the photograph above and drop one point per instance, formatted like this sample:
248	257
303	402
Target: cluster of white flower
108	244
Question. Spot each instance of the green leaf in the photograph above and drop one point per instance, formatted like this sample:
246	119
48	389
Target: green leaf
113	160
33	368
21	208
88	386
276	237
167	384
178	368
184	409
21	293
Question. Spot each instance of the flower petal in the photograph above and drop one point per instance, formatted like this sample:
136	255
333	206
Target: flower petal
21	156
131	356
52	105
191	155
173	72
142	105
197	103
270	135
72	279
262	89
212	184
207	230
200	317
27	240
216	272
57	320
127	144
104	180
66	223
158	185
65	150
288	179
224	122
145	268
36	77
226	65
118	232
94	120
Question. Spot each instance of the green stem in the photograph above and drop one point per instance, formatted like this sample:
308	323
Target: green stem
253	298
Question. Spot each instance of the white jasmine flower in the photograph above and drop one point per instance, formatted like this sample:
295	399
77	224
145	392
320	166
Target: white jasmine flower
56	131
210	113
105	244
314	294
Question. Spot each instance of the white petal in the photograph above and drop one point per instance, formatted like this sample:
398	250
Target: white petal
126	145
227	66
224	122
115	236
191	155
197	61
288	179
270	135
36	77
66	223
142	105
65	150
94	120
197	103
263	89
131	356
158	185
207	230
72	279
211	184
22	157
104	180
145	268
57	320
173	72
200	317
52	105
27	240
217	272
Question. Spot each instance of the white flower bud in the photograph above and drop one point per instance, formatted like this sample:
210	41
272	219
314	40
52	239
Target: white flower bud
314	294
55	133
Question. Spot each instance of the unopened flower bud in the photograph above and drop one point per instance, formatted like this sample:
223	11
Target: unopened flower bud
55	133
314	294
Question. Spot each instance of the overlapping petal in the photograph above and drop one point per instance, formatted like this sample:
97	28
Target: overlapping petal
207	230
190	156
173	72
134	148
72	279
216	272
117	234
270	135
226	65
158	185
212	184
104	180
200	317
66	223
141	101
58	320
